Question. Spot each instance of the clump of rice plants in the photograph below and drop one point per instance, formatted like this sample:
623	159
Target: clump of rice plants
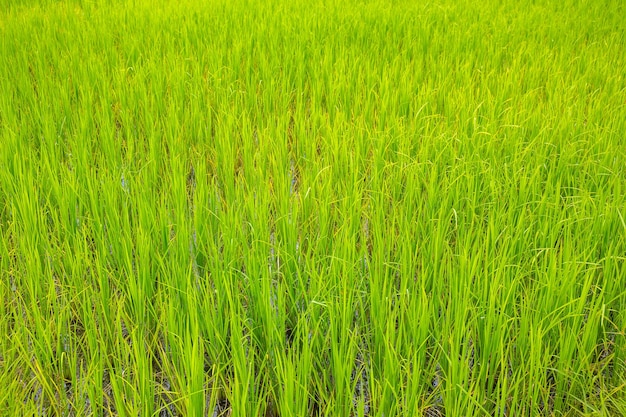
320	208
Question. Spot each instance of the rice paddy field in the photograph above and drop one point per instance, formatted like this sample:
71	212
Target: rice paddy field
312	208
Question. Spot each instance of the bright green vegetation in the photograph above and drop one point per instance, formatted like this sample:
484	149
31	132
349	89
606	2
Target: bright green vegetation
296	208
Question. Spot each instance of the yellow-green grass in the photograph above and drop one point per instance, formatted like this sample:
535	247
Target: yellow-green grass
311	208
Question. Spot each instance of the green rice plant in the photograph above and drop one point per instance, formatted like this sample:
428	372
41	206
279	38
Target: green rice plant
312	208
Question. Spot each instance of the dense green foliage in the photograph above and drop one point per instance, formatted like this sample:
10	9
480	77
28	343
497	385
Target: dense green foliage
294	208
